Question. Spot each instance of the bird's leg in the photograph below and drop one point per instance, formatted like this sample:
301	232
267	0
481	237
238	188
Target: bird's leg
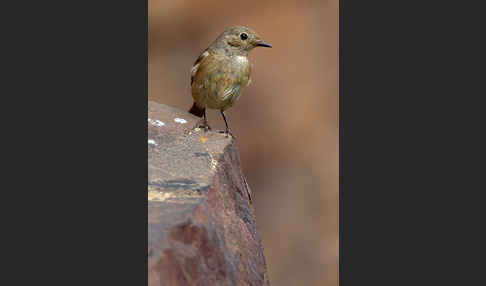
205	124
228	131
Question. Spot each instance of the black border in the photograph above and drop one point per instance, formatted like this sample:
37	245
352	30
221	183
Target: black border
411	147
74	186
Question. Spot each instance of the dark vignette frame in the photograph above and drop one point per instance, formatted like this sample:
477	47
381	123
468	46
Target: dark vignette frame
76	159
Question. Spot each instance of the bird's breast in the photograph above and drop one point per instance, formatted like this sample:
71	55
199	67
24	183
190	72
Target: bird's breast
241	68
241	60
240	63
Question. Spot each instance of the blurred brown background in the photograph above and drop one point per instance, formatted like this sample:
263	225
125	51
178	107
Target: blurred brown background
286	122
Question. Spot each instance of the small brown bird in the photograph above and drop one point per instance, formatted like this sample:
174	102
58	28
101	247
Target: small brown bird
222	71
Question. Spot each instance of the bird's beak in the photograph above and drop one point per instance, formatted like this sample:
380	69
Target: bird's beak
263	44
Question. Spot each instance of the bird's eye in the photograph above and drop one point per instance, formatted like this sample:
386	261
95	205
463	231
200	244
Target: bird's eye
244	36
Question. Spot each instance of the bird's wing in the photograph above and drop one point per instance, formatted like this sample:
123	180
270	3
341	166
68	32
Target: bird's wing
231	90
210	69
195	67
212	72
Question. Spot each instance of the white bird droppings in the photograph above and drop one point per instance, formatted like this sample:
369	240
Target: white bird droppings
180	120
156	122
151	141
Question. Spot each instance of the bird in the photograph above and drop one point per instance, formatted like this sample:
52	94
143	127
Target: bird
222	72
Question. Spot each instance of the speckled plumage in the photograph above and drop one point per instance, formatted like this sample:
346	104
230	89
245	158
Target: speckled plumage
222	72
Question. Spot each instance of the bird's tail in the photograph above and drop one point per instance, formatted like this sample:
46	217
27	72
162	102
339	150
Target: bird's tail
196	110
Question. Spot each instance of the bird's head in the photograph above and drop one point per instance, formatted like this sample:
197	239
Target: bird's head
241	38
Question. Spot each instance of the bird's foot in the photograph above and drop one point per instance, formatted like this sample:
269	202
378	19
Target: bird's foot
204	125
227	132
206	128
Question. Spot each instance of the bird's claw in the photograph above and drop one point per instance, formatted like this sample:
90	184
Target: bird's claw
206	128
228	133
204	125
